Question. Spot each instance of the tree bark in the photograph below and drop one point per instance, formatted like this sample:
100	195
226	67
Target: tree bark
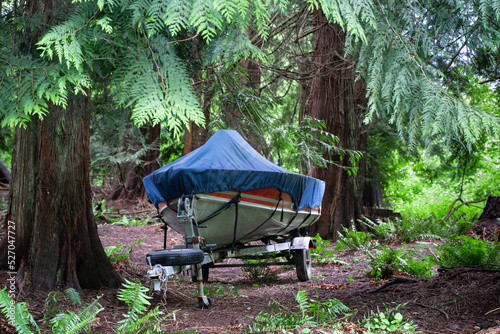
4	174
198	135
335	99
50	204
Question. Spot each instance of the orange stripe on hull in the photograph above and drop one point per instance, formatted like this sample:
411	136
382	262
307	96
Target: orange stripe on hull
265	193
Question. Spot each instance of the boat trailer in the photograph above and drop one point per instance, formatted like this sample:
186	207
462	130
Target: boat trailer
197	257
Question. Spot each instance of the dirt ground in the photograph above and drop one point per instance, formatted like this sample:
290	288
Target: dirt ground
453	302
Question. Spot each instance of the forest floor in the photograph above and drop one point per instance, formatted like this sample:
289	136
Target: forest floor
454	302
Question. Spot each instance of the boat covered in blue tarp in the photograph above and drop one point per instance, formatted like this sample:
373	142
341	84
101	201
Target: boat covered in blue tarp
227	162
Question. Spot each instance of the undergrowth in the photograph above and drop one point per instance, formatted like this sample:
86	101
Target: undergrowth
330	315
82	318
468	251
119	252
353	240
387	261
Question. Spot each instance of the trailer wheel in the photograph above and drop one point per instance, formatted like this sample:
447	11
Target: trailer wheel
202	305
303	264
176	257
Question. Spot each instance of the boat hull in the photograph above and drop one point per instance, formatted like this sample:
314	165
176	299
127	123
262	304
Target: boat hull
260	215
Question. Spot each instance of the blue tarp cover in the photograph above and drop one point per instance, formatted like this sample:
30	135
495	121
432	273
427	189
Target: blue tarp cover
228	162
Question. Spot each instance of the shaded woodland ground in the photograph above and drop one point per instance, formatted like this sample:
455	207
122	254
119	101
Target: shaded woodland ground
455	301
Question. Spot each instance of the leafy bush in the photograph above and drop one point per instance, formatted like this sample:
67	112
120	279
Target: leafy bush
467	251
419	268
72	322
434	228
352	240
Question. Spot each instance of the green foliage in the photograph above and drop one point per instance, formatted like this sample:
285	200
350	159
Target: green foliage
419	268
64	323
321	253
73	296
116	253
409	229
467	251
385	262
409	90
72	322
125	220
353	240
309	144
52	303
386	231
17	314
134	295
257	270
312	313
388	321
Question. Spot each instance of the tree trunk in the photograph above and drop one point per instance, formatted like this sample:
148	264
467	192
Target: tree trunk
333	100
487	226
50	204
132	187
4	174
197	135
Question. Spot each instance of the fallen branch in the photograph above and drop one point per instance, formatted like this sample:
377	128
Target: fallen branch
498	308
434	308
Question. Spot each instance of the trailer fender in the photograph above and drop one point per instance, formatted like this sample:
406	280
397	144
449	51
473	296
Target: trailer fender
302	243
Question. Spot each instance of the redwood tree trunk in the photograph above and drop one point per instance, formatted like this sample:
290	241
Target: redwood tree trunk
50	204
334	99
132	187
196	135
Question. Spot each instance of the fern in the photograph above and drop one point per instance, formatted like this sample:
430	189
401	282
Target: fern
134	295
51	307
73	296
313	313
71	322
17	314
467	251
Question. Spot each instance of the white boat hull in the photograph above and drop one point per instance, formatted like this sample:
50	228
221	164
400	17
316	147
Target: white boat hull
261	214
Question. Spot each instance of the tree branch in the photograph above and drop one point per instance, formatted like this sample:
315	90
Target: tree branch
449	214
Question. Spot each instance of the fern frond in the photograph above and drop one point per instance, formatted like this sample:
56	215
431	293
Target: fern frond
134	295
17	314
73	296
206	19
71	322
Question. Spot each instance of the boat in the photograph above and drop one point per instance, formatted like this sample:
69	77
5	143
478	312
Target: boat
263	214
223	198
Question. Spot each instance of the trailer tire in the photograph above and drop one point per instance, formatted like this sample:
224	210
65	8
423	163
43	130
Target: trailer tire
175	257
303	264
